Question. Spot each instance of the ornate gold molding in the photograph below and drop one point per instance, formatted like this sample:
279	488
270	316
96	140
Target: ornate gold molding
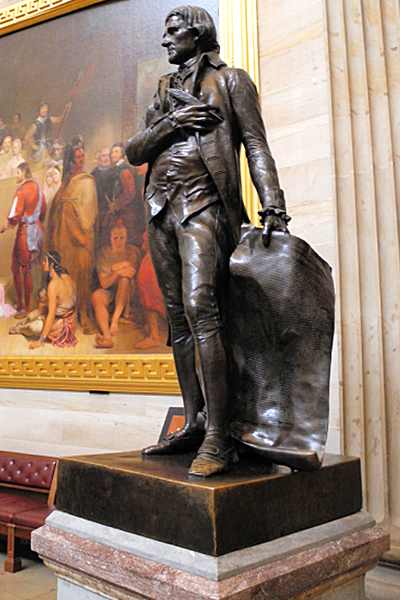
155	373
152	374
239	48
29	12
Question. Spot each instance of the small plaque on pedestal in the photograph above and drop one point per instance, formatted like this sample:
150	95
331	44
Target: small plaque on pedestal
252	504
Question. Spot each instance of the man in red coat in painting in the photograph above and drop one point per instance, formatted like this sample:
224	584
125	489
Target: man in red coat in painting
27	212
125	203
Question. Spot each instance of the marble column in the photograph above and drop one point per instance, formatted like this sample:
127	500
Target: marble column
364	67
330	91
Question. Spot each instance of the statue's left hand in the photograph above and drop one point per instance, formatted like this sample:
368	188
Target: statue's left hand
272	223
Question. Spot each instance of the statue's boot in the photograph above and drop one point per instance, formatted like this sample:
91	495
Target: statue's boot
218	450
215	455
176	443
191	436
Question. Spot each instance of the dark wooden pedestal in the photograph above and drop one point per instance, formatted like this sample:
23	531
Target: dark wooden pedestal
252	504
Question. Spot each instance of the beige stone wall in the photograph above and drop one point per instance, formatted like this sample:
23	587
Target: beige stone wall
70	423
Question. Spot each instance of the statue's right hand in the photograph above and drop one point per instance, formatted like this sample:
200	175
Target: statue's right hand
200	117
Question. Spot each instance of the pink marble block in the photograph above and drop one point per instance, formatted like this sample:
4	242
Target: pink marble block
312	573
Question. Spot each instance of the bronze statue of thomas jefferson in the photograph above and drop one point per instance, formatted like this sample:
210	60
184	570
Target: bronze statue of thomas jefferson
200	116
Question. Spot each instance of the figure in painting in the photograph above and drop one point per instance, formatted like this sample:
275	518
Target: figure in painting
125	203
60	323
32	325
52	183
71	222
4	129
10	169
27	213
5	154
200	117
17	130
39	135
116	268
103	177
150	298
55	159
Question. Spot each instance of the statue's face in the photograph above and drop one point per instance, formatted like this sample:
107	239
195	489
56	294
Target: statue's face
180	42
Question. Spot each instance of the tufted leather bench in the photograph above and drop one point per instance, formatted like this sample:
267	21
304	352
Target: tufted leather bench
24	478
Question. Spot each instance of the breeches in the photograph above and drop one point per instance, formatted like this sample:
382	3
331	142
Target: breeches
21	270
21	257
191	261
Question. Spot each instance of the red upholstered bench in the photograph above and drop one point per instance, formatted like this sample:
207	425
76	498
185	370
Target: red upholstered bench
27	493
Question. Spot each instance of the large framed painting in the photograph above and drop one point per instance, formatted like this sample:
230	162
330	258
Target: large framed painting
77	77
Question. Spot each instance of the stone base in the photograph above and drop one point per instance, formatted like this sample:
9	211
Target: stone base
326	562
68	590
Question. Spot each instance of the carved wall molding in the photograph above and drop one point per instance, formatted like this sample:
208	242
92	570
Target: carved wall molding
29	12
143	374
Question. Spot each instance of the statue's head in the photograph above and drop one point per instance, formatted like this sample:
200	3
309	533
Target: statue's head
189	31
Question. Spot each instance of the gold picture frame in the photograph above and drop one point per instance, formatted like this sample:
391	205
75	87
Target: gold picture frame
136	373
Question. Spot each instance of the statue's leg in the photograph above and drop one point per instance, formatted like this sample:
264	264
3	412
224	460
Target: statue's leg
205	245
167	264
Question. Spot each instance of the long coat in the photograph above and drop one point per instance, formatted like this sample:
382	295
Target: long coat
235	95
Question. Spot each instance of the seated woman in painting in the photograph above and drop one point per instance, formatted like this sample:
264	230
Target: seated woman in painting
60	324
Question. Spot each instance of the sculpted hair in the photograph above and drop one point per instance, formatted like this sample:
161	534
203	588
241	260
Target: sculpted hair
199	19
